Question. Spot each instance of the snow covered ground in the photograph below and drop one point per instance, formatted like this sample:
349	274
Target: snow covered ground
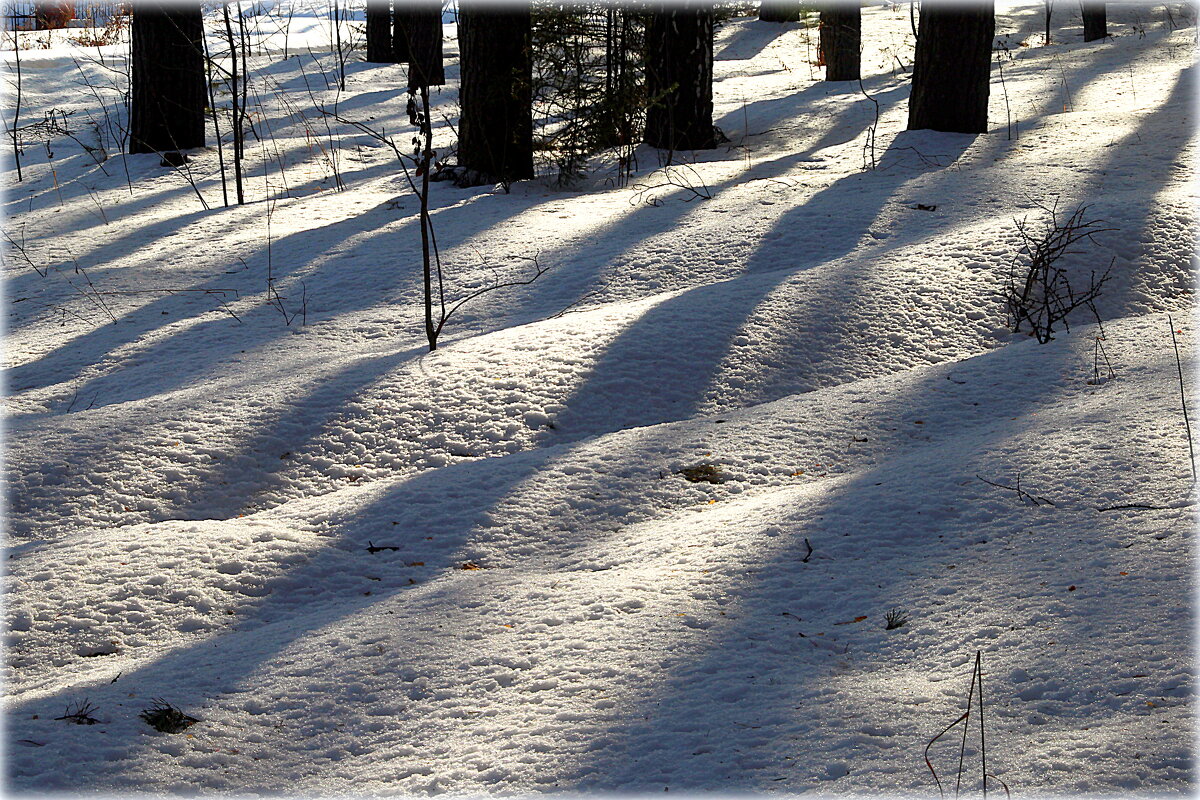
200	477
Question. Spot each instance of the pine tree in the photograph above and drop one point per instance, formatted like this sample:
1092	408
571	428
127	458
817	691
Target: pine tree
841	34
379	32
951	74
679	72
424	29
167	89
1095	22
495	133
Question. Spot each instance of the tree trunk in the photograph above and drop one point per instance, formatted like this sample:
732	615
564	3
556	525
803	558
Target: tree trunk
779	11
1095	24
953	66
167	89
379	32
495	133
841	31
401	19
425	44
679	73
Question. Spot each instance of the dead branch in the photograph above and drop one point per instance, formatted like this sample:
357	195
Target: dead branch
1021	493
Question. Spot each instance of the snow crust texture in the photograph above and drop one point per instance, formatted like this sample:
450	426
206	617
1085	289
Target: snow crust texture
238	482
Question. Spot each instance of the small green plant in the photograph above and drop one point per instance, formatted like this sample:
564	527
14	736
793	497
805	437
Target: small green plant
80	713
895	619
703	473
164	717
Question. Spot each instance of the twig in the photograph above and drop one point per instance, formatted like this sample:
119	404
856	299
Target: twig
21	251
1133	505
1021	493
671	175
928	763
1183	398
17	109
965	718
870	141
1008	124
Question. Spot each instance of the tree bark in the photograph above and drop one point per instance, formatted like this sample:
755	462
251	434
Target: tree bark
401	19
679	73
1095	23
379	32
953	68
779	11
841	33
167	89
495	133
425	66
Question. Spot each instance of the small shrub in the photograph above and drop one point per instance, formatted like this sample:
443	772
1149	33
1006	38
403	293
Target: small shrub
113	32
53	15
1038	295
80	713
703	473
895	619
164	717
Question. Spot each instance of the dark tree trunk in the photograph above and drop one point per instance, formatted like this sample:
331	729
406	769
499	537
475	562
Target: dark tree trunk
679	73
401	19
779	10
1095	24
953	67
379	32
425	44
495	133
167	89
841	31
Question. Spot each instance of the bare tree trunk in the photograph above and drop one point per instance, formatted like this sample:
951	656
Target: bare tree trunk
679	72
495	134
1095	23
167	95
841	34
425	67
951	74
401	14
779	11
379	32
239	132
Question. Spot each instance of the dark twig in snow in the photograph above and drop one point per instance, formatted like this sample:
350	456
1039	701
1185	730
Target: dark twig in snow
869	144
80	713
1133	505
1021	493
22	252
1183	397
965	718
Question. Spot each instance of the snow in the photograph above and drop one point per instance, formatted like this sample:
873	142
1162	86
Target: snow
370	569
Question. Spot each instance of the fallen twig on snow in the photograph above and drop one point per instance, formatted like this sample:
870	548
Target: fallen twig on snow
1183	398
1021	493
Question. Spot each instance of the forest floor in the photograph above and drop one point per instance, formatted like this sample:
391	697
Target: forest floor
239	484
